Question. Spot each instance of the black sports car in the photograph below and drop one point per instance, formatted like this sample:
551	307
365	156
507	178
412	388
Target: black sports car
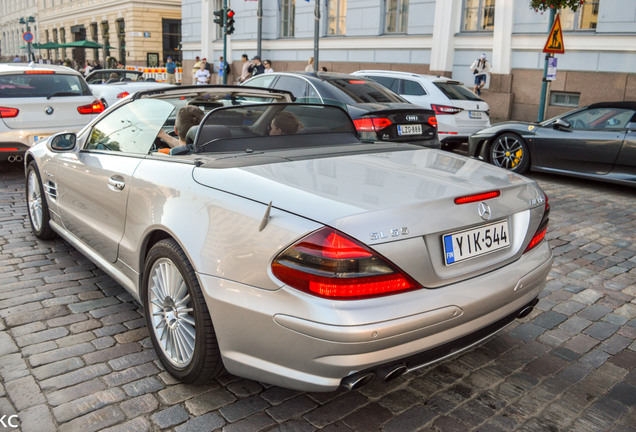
378	114
597	142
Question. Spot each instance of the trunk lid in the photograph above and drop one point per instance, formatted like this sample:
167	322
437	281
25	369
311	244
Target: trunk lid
401	203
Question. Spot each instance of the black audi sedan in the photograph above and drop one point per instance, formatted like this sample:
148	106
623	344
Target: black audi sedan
377	113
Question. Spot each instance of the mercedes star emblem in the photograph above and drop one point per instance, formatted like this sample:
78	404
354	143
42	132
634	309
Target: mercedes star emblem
484	211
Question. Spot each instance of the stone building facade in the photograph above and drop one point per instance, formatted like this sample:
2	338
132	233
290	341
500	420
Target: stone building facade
440	37
138	33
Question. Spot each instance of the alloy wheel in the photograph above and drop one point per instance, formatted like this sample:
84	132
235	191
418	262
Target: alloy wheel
507	152
172	315
34	200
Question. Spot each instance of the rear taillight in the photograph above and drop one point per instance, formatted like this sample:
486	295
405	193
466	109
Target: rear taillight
95	108
466	199
330	264
39	72
445	109
372	124
6	112
543	228
432	121
122	95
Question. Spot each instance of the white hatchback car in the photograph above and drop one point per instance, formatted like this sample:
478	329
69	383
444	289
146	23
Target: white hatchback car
40	100
460	113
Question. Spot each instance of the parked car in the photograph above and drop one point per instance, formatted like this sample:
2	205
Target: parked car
597	142
40	100
460	112
377	113
110	89
306	259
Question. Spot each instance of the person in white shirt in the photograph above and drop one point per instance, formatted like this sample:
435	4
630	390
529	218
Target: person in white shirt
310	65
202	76
481	69
268	66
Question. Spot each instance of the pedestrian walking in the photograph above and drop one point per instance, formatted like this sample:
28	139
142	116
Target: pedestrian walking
221	69
202	76
171	69
268	66
16	59
256	67
195	68
481	69
245	73
310	65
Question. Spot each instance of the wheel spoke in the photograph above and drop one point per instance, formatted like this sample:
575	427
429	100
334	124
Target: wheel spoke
188	319
181	294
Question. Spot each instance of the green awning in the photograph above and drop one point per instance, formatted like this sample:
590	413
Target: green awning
82	44
46	45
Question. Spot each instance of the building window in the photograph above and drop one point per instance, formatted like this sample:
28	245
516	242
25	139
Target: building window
585	18
121	37
171	39
336	17
287	17
479	15
396	16
564	99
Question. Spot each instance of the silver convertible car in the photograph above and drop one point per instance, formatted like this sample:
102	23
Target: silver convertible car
275	245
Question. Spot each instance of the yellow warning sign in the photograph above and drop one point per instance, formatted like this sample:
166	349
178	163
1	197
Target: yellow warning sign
554	44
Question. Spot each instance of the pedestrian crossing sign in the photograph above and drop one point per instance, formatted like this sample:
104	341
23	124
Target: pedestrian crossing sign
554	44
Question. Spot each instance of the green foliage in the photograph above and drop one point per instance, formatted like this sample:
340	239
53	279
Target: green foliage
546	5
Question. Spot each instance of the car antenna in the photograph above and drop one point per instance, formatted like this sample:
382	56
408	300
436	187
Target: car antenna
265	218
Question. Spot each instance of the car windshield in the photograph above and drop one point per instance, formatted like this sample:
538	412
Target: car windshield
359	90
456	91
30	85
251	128
109	76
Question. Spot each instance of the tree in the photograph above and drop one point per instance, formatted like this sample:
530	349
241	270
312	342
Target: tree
546	5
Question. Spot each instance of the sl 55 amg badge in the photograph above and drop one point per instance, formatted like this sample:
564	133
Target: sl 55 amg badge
395	232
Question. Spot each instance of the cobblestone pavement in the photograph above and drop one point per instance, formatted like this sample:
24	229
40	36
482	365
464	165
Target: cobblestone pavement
75	353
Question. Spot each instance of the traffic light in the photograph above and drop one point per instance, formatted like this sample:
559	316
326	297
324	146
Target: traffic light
218	17
229	23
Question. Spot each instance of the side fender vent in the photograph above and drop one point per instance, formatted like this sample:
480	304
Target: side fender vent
51	189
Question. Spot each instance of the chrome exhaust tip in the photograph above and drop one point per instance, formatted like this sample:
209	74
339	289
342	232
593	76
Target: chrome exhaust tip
526	310
392	372
11	158
18	158
357	380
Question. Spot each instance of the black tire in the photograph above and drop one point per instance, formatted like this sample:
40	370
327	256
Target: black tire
509	151
37	206
204	363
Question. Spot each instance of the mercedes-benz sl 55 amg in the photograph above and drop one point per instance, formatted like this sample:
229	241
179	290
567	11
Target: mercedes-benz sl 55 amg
279	247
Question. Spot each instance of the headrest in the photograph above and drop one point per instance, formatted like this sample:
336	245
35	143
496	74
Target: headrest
192	133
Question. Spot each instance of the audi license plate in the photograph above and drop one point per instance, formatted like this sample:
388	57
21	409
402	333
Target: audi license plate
475	242
415	129
474	114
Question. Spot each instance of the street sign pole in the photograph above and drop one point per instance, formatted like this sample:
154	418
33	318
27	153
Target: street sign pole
544	84
225	39
316	33
259	16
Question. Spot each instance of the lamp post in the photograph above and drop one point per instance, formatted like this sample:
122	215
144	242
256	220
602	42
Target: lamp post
26	22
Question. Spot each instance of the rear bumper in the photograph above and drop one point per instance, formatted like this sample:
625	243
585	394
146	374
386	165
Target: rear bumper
298	341
11	149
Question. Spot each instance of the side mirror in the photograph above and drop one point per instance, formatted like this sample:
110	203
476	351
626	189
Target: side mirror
61	142
561	124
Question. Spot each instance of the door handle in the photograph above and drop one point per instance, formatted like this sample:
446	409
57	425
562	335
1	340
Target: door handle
117	184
